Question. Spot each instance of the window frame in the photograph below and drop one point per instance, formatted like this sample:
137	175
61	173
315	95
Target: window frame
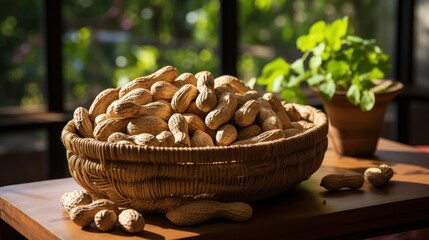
56	116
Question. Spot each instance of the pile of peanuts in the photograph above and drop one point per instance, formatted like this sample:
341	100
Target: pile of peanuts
171	110
106	215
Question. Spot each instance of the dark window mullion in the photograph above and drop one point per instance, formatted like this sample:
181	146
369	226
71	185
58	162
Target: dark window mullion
52	24
404	62
228	36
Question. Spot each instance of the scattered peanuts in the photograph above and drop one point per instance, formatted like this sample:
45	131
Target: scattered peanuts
106	220
105	214
210	104
75	198
131	221
335	182
83	215
203	210
378	176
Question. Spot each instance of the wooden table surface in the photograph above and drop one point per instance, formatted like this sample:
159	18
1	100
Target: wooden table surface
306	211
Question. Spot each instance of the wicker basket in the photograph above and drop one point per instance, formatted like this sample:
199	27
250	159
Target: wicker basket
158	179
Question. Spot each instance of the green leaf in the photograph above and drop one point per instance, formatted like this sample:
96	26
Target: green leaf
327	89
315	79
353	94
305	43
251	82
318	50
277	65
367	101
294	81
277	84
376	73
336	31
354	39
272	70
314	63
337	68
298	66
317	31
318	27
293	95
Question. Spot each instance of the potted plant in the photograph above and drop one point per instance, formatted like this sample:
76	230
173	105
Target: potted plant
346	72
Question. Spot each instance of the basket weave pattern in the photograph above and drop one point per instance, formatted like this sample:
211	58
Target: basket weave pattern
158	179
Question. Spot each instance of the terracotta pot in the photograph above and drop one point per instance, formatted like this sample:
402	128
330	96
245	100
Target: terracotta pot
352	131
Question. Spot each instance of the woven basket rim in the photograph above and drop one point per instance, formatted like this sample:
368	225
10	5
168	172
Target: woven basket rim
109	151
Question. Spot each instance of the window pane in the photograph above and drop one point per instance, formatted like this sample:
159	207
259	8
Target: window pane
422	43
269	28
110	43
23	157
22	67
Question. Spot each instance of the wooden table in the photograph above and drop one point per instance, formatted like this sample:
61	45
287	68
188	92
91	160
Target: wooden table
306	211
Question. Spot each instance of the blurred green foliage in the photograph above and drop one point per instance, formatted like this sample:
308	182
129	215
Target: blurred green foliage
108	43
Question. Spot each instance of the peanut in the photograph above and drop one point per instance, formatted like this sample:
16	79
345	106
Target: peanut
247	113
201	139
204	79
167	73
249	132
222	89
203	210
185	78
224	111
75	198
83	122
131	221
267	118
163	90
125	142
105	220
249	95
291	111
100	118
183	97
263	137
146	124
303	123
225	135
290	132
206	99
278	108
83	215
108	126
237	85
102	101
118	136
179	128
159	108
165	139
195	110
110	111
335	182
194	122
378	176
138	96
297	125
146	139
271	122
